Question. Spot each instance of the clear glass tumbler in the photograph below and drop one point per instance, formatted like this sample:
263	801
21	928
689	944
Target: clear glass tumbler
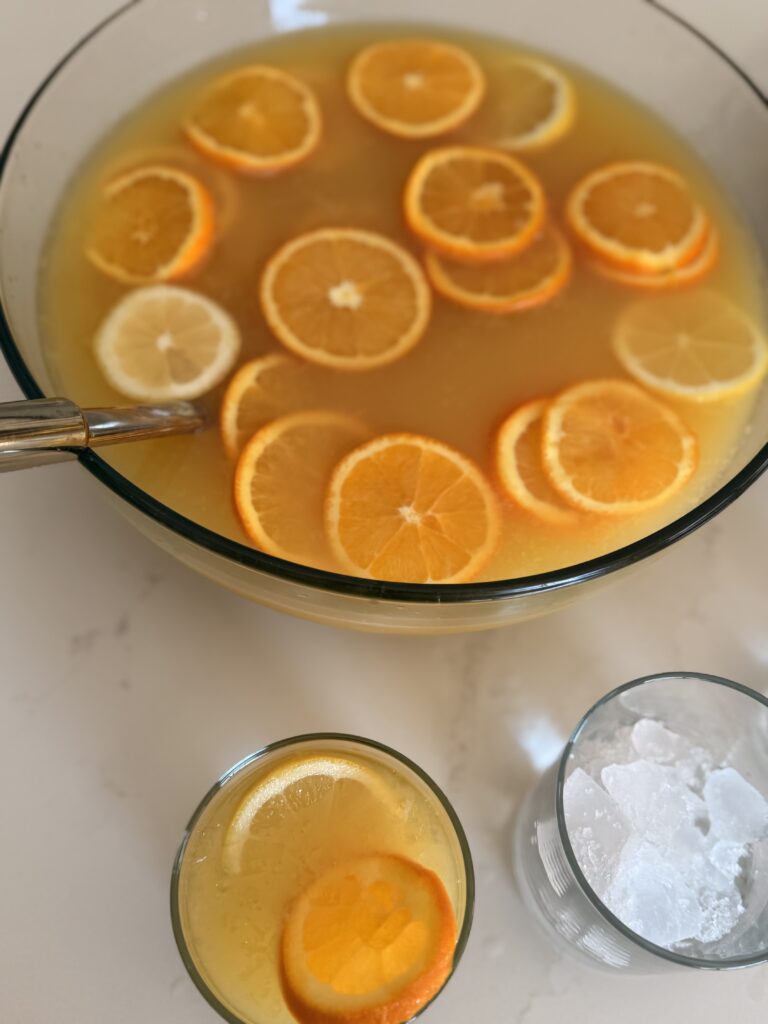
728	720
229	906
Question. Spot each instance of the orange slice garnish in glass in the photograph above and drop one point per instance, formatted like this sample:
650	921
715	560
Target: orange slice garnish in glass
415	88
519	466
346	298
474	204
281	479
371	941
610	447
152	224
261	390
256	120
164	343
637	215
537	106
529	279
411	509
698	347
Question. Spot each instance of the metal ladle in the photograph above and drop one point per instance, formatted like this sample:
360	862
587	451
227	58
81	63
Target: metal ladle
45	430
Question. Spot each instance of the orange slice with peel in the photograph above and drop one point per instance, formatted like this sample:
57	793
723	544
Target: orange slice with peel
261	390
666	280
519	465
152	224
529	279
165	343
699	347
256	120
474	204
538	105
415	88
370	942
281	478
637	215
609	447
346	298
303	781
408	508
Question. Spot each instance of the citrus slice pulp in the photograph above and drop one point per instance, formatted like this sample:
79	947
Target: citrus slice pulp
153	224
345	298
529	279
411	509
256	120
610	447
699	347
474	204
295	782
369	942
638	215
538	106
261	390
281	477
519	465
163	342
415	88
665	280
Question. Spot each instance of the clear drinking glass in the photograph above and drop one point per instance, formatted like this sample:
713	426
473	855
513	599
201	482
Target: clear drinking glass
432	836
729	720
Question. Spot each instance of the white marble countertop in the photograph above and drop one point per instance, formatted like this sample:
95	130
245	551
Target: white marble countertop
127	684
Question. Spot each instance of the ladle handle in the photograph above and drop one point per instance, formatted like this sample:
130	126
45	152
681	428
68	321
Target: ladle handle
41	431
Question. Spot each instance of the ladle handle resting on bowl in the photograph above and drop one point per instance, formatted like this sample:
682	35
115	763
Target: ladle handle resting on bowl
46	430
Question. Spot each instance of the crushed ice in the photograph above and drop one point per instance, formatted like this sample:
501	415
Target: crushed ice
663	839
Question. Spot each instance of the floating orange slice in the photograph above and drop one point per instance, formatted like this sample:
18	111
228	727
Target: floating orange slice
408	508
153	224
640	216
663	280
609	447
256	120
260	391
474	204
538	104
281	478
370	942
698	347
415	88
346	298
519	465
529	279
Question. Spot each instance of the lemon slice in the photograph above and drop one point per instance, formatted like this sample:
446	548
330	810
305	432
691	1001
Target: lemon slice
699	347
165	342
538	106
299	780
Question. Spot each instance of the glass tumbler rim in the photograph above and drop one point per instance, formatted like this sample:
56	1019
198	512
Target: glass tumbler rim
358	587
292	741
728	963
